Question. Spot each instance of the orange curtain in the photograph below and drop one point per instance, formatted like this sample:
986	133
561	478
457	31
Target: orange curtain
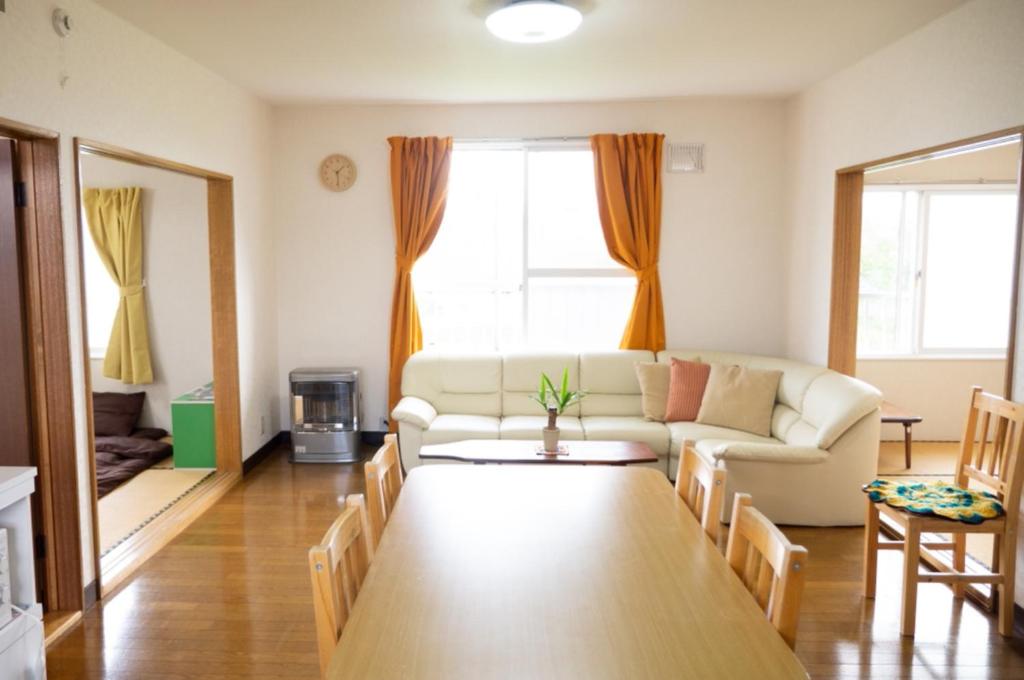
628	175
419	189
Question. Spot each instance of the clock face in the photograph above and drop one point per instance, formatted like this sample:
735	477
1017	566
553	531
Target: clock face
337	172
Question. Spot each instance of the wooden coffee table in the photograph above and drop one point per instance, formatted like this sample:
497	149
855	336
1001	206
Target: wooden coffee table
499	451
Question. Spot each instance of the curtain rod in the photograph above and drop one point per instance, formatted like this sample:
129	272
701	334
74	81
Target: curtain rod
461	140
939	182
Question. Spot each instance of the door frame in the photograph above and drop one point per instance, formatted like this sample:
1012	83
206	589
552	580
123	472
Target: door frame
50	370
128	556
846	243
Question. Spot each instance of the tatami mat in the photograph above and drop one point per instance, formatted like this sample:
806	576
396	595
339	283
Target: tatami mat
135	503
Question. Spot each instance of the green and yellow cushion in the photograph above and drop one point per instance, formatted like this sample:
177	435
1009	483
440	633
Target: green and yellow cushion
939	499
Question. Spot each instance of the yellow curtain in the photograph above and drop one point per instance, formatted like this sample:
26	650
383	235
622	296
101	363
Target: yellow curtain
419	189
115	222
628	174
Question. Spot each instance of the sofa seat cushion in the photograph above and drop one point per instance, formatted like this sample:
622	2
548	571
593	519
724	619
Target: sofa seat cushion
452	428
628	429
698	431
529	427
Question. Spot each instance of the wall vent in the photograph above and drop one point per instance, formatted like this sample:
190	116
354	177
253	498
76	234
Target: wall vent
686	157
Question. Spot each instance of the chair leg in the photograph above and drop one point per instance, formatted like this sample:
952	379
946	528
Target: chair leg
870	550
911	558
959	563
907	441
1008	569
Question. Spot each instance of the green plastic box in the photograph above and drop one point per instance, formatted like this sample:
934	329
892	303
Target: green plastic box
192	427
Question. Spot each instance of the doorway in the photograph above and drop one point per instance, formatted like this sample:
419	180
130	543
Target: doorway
181	451
926	271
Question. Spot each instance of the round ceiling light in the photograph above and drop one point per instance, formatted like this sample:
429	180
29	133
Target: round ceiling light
534	21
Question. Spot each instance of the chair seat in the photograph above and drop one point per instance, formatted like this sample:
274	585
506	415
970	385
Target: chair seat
936	499
452	428
529	427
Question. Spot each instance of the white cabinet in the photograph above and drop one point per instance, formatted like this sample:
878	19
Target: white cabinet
22	651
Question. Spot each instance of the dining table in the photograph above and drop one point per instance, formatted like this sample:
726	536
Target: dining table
540	572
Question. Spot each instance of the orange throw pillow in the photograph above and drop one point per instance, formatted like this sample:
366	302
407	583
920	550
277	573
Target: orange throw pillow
686	384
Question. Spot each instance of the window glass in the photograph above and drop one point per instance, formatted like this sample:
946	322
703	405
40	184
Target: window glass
565	230
102	297
936	270
475	286
968	270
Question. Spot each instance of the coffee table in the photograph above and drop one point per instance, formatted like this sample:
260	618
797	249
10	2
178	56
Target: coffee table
517	451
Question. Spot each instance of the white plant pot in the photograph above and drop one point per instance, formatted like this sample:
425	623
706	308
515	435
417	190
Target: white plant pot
551	439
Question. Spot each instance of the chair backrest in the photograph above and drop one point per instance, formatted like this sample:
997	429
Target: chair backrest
383	482
769	565
990	452
702	488
338	567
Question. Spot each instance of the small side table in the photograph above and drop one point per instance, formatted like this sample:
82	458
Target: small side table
894	414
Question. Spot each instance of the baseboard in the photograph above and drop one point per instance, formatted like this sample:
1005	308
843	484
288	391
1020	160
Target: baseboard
279	439
90	594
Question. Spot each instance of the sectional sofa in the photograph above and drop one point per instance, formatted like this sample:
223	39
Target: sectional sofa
823	443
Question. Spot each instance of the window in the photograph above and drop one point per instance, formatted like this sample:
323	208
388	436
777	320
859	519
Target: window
936	270
102	297
520	259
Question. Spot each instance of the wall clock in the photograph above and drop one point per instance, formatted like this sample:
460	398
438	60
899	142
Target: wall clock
337	172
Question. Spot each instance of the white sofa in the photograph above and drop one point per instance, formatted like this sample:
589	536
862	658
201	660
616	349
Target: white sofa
823	443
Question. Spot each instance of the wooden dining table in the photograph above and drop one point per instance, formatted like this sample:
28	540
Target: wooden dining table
552	573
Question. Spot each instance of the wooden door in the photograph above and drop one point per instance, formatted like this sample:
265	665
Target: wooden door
15	424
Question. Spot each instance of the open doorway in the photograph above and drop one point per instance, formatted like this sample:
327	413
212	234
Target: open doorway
924	302
938	239
152	381
157	261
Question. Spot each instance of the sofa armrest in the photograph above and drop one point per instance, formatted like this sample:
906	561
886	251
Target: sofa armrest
414	411
717	449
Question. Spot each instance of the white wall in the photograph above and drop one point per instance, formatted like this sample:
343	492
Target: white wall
126	88
958	76
176	268
937	389
722	242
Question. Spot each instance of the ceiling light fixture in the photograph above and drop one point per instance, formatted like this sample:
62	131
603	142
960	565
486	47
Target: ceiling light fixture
534	21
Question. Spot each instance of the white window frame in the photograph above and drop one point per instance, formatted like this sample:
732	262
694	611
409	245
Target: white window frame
918	351
527	145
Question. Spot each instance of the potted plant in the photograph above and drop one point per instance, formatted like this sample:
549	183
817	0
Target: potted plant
555	402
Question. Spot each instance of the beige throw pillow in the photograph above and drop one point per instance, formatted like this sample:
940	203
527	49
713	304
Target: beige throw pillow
740	398
654	380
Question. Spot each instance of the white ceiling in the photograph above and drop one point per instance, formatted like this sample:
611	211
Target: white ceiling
439	50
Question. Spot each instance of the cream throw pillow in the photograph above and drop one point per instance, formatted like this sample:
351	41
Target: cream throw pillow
654	380
740	398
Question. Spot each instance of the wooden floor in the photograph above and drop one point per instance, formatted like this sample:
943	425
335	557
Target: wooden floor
230	599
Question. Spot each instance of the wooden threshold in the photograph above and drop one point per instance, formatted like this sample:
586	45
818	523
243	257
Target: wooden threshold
56	624
126	558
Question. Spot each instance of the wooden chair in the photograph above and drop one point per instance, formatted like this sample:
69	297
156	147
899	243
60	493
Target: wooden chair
383	482
702	488
990	457
338	567
769	565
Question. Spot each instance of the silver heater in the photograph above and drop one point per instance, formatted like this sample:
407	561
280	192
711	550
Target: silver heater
325	415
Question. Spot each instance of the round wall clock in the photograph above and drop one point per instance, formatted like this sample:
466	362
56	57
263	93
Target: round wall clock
337	172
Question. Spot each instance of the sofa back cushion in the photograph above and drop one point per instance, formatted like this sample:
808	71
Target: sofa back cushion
814	405
521	378
611	383
455	383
